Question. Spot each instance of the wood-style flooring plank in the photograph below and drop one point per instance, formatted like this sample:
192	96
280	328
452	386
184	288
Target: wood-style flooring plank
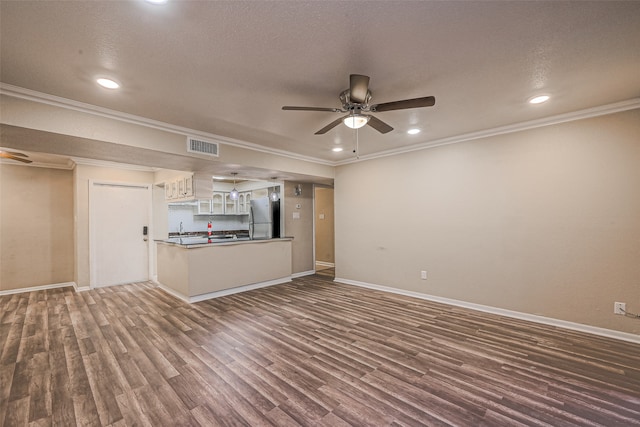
308	352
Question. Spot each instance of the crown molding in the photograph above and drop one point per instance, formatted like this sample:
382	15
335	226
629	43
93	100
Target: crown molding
111	165
34	96
618	107
66	166
69	104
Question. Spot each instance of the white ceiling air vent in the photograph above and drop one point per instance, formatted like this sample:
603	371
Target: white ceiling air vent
199	146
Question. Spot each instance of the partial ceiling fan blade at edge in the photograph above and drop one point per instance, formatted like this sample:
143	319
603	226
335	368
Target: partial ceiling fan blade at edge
358	88
379	125
15	153
5	155
427	101
331	125
20	159
291	108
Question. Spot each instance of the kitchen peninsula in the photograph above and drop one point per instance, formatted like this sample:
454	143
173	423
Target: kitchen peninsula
197	268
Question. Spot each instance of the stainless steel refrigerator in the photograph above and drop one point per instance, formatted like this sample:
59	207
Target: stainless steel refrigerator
264	219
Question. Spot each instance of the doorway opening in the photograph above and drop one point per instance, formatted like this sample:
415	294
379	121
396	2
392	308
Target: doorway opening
324	231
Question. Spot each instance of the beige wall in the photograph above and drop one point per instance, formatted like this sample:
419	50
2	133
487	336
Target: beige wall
82	175
52	118
324	225
545	221
301	229
36	226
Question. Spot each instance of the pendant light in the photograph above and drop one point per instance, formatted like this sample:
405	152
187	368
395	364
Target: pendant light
274	195
233	195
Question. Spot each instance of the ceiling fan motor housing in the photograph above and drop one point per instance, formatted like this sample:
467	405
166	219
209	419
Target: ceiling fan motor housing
347	105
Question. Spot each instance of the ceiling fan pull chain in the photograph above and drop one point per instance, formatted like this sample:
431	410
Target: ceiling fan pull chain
357	150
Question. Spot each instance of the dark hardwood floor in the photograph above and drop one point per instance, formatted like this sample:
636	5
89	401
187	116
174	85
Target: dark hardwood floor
309	352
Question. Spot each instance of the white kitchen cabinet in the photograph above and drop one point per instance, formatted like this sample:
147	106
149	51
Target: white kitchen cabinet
170	190
217	203
188	188
180	183
221	204
244	202
204	206
230	205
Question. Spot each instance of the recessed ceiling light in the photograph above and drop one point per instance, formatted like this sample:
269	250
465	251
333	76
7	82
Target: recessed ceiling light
539	99
413	131
156	1
336	149
108	83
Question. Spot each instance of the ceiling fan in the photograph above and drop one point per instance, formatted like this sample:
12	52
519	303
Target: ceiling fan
356	102
12	155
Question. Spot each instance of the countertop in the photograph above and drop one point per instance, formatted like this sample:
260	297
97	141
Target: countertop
204	241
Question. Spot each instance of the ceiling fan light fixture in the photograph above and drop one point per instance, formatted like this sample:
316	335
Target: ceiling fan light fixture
356	121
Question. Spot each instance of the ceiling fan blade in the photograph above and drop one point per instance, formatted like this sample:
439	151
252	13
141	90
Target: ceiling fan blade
291	108
20	159
9	156
331	125
358	88
14	153
379	125
427	101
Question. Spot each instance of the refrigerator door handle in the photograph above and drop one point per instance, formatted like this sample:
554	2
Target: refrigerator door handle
251	222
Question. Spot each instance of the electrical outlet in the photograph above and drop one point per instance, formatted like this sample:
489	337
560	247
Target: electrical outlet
423	275
619	307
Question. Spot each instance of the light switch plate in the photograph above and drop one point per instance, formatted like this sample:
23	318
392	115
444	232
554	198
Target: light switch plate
296	215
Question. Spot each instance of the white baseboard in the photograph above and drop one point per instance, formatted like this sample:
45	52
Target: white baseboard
217	294
38	288
325	264
81	288
303	273
171	291
609	333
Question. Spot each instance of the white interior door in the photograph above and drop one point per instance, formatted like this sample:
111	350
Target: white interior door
119	250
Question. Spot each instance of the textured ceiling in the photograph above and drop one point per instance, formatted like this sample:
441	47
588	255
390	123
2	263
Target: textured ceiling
227	67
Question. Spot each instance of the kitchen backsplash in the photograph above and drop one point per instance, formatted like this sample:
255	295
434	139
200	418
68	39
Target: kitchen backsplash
192	223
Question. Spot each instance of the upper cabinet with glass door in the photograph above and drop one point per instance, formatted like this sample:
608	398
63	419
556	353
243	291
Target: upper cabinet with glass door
244	202
217	203
230	205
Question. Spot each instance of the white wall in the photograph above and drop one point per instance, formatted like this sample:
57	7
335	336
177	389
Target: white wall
545	221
